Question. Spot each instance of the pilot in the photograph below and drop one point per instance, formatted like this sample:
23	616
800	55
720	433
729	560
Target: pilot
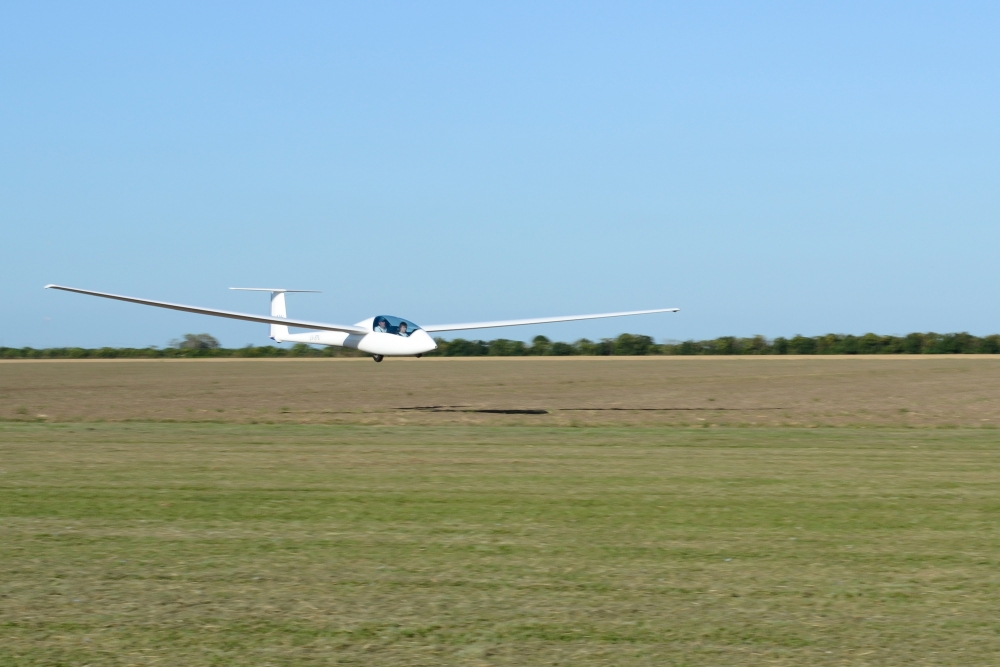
402	330
381	326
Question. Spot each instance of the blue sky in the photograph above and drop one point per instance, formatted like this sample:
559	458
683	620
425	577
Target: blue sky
771	168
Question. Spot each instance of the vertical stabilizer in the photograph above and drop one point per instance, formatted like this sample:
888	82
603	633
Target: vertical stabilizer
279	332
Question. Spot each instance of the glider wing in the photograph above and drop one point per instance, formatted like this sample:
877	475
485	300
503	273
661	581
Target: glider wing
264	319
538	320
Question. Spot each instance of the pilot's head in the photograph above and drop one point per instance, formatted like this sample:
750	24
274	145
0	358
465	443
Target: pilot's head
382	324
402	327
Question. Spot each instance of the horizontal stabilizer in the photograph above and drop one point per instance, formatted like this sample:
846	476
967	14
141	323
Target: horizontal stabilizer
273	289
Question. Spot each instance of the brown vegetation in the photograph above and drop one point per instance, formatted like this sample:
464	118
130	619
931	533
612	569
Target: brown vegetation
738	391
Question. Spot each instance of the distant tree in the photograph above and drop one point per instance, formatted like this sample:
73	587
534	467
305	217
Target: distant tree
632	345
756	345
465	348
588	347
724	345
934	343
562	349
990	345
913	343
688	347
202	341
893	345
965	343
540	345
801	345
869	344
506	348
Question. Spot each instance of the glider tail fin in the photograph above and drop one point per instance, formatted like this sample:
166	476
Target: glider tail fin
279	332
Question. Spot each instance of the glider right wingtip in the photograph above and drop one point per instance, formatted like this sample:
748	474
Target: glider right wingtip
51	286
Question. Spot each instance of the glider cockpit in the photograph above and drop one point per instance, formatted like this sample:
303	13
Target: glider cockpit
393	325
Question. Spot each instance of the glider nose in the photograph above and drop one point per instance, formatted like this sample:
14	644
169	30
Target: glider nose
423	339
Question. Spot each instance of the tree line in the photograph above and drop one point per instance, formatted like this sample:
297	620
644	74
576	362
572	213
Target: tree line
204	345
633	344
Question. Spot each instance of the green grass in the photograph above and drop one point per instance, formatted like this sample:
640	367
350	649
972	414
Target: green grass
213	544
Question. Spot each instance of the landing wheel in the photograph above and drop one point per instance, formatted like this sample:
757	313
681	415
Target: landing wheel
377	357
419	355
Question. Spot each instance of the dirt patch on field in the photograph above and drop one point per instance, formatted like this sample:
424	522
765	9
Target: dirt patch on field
915	391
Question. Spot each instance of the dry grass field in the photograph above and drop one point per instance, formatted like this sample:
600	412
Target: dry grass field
738	391
659	512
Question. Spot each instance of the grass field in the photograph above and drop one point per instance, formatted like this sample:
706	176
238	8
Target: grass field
466	538
927	390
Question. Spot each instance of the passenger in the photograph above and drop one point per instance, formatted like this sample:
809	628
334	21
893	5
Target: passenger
381	326
402	330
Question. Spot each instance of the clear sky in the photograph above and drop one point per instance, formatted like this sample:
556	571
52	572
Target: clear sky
771	168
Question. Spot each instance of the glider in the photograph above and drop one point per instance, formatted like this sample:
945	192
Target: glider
380	336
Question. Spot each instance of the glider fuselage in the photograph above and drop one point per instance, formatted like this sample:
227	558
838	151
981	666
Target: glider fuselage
389	343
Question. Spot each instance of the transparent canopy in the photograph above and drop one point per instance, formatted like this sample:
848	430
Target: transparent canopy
394	325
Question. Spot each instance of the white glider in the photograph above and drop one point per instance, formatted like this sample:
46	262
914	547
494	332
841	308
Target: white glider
381	336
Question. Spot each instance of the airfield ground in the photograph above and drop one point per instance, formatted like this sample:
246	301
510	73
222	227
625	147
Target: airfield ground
732	391
753	511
